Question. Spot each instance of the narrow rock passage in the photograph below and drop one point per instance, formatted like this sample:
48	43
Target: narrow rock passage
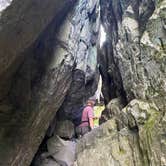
51	62
60	149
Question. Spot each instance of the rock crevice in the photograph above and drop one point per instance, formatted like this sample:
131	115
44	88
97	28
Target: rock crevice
50	61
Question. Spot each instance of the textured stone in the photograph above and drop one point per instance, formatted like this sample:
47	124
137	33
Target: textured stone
62	151
45	52
20	25
110	145
83	44
149	121
31	92
48	51
136	51
106	146
135	58
49	162
113	109
64	129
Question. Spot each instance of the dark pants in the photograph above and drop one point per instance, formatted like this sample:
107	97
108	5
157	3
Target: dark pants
81	130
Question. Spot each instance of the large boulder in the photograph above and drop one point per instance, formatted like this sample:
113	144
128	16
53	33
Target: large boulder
110	145
62	151
113	108
151	130
64	129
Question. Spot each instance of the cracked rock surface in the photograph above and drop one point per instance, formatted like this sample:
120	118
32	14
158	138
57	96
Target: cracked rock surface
49	57
47	48
133	67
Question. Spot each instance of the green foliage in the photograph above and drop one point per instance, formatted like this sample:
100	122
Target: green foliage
97	113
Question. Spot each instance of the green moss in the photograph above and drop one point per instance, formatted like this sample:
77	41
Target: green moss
159	3
148	134
122	151
97	113
160	55
149	125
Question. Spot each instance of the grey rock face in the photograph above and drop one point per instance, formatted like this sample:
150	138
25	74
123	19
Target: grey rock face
113	109
64	129
48	57
40	49
83	41
20	25
49	162
136	54
133	68
150	123
111	145
105	146
31	100
62	151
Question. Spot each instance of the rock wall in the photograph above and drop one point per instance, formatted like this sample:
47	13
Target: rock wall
48	62
109	148
133	136
132	64
20	25
135	48
47	45
86	20
27	83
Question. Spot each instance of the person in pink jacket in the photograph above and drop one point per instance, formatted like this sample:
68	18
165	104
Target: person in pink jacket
87	123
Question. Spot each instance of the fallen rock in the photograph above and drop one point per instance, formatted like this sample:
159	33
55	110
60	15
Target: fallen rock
105	146
150	122
64	129
113	109
62	151
110	145
49	162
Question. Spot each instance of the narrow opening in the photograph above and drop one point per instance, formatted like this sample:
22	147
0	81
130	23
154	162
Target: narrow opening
102	35
4	4
57	141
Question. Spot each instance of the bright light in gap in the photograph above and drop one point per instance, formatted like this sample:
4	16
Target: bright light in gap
4	4
102	35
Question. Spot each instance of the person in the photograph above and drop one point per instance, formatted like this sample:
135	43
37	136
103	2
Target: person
87	122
